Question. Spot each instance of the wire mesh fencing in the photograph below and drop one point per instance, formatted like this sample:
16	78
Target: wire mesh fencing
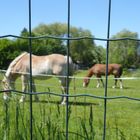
88	113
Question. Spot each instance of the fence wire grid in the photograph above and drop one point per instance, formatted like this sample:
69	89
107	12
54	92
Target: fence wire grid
67	95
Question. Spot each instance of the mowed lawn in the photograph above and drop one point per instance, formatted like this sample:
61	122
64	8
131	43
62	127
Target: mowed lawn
86	113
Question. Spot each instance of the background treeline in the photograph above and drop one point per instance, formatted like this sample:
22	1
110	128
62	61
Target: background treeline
85	51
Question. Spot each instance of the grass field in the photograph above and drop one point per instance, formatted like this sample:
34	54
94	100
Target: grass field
85	113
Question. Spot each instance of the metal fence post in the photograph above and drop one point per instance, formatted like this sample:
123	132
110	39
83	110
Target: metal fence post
67	81
30	51
106	79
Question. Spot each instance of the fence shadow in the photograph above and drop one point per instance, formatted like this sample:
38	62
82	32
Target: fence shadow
74	103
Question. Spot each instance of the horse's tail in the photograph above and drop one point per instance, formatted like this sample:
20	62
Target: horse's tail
71	67
13	63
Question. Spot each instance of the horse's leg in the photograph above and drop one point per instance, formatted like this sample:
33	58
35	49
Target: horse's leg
62	80
5	96
102	82
115	84
98	81
12	85
34	90
64	88
24	80
121	85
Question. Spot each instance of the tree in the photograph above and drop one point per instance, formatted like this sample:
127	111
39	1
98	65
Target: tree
49	44
100	54
8	51
23	44
80	50
124	51
83	51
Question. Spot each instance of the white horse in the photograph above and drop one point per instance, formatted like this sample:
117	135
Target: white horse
54	64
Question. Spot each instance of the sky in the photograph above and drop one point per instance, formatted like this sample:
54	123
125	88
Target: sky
85	14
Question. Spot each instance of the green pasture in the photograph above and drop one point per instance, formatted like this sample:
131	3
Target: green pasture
85	113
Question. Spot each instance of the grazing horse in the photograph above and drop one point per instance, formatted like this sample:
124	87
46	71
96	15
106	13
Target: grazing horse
100	69
54	64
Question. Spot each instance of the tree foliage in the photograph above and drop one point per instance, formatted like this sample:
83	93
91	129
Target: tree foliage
82	51
124	51
8	51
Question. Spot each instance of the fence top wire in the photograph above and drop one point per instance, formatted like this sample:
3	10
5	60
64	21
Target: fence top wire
73	95
70	38
74	77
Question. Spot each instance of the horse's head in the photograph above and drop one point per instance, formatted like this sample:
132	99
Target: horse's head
6	86
86	82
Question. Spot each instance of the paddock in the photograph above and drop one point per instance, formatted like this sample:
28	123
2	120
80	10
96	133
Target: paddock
85	110
89	113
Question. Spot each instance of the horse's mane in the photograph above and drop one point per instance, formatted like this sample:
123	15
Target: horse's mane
13	63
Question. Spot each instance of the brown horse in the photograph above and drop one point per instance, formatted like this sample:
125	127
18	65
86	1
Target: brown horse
100	69
54	64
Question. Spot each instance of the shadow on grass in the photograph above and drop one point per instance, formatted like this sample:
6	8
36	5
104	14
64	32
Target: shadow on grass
75	103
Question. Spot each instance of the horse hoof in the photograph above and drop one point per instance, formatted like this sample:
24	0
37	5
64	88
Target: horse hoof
6	98
21	100
113	87
63	103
